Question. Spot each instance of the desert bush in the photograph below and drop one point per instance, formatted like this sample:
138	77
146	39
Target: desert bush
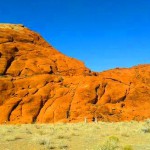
12	138
110	144
41	140
62	137
127	147
73	133
62	145
6	130
147	121
145	129
124	132
50	147
37	126
28	131
146	126
45	141
41	132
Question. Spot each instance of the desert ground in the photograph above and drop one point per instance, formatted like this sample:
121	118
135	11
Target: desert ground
76	136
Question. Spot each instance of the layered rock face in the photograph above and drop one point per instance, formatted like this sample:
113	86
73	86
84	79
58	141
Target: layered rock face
39	84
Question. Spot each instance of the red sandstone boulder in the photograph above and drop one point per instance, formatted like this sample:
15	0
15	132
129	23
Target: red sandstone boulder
39	84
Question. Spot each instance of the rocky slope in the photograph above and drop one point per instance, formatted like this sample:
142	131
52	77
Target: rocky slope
39	84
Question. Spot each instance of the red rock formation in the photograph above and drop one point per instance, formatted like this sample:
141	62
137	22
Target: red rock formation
39	84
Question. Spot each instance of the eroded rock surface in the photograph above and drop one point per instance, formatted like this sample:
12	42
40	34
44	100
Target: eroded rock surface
39	84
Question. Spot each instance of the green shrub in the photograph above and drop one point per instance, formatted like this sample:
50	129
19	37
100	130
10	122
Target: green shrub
127	147
111	144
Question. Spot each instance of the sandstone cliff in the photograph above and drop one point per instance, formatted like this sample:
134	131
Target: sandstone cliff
39	84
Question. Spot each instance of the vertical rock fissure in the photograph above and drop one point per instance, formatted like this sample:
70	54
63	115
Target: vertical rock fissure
41	106
9	62
13	108
55	62
97	96
68	111
21	110
69	108
129	88
104	90
122	98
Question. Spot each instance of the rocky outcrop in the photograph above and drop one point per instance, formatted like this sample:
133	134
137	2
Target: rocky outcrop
39	84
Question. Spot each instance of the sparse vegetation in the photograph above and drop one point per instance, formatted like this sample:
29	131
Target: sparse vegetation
82	136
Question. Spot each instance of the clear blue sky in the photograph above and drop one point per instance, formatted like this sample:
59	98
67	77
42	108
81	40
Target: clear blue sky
103	33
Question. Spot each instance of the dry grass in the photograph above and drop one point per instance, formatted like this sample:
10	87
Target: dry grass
80	136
